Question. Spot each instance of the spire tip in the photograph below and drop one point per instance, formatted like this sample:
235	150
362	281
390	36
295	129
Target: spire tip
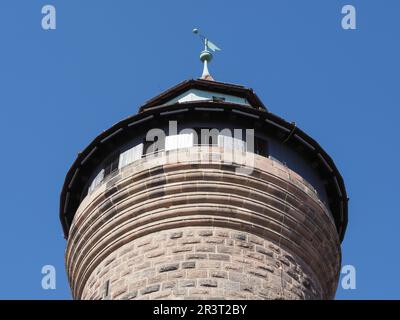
206	55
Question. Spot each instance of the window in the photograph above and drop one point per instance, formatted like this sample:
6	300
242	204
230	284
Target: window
260	147
111	164
218	99
206	136
150	146
130	155
178	141
96	181
231	143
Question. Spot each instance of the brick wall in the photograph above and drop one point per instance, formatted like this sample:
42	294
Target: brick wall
201	263
161	229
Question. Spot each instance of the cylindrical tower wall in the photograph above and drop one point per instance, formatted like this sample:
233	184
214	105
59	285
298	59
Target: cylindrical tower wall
198	228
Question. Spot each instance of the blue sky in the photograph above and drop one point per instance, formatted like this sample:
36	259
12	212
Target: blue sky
60	88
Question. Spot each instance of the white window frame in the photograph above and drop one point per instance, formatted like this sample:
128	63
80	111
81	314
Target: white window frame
178	141
231	143
130	155
96	181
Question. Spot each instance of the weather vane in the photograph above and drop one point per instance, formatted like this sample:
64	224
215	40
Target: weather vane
206	55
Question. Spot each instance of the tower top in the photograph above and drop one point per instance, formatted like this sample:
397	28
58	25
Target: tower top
206	55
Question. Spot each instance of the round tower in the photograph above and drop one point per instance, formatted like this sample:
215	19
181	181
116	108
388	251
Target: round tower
203	193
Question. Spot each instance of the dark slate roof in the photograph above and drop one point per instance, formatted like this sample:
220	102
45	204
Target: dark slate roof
221	87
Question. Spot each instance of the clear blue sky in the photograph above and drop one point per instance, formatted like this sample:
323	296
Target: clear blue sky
60	88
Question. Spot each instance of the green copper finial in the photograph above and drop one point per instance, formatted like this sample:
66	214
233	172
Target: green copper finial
206	55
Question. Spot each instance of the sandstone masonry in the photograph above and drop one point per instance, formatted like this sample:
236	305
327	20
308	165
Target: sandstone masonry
198	230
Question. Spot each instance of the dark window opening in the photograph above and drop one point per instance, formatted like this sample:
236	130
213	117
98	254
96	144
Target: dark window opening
111	164
84	192
155	146
207	136
260	147
218	99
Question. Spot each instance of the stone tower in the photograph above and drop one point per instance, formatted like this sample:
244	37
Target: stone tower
203	193
215	215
